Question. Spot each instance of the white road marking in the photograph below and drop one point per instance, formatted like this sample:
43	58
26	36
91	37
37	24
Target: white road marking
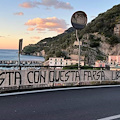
58	89
111	118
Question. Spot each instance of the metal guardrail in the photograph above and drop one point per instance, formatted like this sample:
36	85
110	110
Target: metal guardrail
50	67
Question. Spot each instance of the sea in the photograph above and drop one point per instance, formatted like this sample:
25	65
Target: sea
9	54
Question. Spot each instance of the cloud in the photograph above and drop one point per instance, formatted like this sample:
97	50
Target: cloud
30	29
56	4
28	5
50	24
19	13
35	37
48	3
2	36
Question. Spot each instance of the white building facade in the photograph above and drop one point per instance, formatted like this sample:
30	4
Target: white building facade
59	61
56	61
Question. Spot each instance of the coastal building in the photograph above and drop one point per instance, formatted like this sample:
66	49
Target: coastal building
70	62
100	63
59	61
114	60
73	62
56	61
117	30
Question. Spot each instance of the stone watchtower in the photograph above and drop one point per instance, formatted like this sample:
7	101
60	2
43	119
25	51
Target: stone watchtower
117	30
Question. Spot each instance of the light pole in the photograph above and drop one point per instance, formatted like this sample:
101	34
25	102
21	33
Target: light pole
79	49
79	21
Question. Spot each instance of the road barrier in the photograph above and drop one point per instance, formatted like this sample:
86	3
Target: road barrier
30	79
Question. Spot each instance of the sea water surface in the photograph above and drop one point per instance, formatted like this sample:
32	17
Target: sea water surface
8	54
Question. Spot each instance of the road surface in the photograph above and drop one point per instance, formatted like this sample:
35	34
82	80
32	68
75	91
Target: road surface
83	104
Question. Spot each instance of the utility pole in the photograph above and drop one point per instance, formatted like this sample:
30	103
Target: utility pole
19	52
79	49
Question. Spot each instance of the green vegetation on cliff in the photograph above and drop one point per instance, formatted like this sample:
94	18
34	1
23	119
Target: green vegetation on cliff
104	24
53	46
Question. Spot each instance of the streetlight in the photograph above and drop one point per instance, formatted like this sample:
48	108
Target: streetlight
79	21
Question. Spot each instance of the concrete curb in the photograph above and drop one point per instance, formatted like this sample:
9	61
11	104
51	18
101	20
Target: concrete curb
58	89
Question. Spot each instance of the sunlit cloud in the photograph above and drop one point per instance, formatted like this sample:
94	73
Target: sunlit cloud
2	36
19	13
35	37
48	3
50	24
28	5
30	29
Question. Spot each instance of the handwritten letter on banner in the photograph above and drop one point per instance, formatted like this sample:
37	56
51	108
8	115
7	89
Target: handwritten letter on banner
32	77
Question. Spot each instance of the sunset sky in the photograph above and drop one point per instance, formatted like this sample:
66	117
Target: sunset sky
34	20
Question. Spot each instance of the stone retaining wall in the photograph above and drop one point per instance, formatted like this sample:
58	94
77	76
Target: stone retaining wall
30	79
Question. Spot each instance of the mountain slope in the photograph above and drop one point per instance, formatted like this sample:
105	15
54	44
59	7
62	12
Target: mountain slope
101	27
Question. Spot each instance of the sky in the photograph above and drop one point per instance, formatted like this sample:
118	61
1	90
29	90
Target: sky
34	20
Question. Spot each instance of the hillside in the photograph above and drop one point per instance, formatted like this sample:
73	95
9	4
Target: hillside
98	36
52	46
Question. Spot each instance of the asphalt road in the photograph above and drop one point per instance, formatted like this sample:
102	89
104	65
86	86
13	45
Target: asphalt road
85	104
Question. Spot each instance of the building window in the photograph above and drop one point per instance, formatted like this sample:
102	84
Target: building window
61	63
55	63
